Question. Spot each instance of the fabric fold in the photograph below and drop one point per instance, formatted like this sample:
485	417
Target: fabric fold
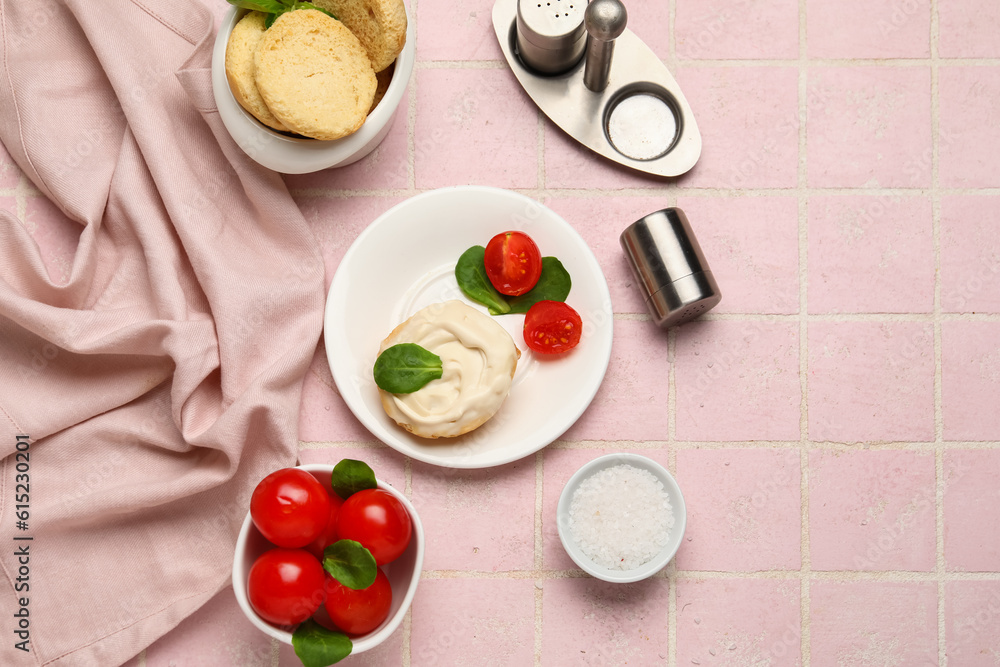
162	380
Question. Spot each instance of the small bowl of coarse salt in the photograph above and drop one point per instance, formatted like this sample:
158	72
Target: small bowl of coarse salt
621	517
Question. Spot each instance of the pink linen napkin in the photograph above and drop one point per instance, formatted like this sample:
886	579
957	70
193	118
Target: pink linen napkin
162	380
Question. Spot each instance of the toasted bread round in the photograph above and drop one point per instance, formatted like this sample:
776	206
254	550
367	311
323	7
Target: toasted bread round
314	75
240	49
478	359
379	24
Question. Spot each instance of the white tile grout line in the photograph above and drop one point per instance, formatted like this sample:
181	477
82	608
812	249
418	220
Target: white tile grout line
539	554
539	542
540	176
899	576
802	182
790	63
539	592
823	446
411	181
411	114
636	191
407	628
928	317
939	564
672	466
671	569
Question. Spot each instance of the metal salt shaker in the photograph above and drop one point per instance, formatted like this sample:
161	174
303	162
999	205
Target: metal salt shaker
674	277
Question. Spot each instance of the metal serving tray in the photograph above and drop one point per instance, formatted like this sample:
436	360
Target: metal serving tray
641	120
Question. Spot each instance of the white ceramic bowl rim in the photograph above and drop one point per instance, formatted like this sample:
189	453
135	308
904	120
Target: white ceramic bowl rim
293	155
364	642
676	533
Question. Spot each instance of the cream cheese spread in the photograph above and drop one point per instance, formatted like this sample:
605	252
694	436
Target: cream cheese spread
478	359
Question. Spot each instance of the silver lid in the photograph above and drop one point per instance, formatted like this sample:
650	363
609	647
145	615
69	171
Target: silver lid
674	277
551	36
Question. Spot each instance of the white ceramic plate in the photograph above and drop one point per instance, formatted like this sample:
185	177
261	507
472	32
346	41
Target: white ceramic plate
405	260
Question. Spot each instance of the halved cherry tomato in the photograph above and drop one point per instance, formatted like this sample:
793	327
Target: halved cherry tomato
513	263
286	586
329	534
358	612
290	507
378	521
552	327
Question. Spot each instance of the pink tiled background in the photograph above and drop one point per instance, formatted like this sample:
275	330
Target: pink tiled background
834	423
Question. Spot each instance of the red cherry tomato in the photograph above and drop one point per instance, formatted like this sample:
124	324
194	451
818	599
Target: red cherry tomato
513	263
378	521
358	612
286	586
329	534
290	507
552	327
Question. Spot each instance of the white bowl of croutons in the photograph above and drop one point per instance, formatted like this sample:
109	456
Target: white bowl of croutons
291	110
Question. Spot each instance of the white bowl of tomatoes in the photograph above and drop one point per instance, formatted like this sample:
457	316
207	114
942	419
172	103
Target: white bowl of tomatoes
282	564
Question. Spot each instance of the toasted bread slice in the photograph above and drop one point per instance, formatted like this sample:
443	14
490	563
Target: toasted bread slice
379	24
240	49
314	75
479	361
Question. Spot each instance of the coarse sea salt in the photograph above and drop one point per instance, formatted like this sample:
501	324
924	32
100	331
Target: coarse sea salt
621	517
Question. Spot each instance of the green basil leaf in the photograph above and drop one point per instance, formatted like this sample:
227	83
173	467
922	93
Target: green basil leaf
405	368
553	285
350	563
318	647
270	19
470	272
266	6
350	476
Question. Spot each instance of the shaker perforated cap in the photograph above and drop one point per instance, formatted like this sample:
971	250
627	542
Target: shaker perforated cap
551	36
673	275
